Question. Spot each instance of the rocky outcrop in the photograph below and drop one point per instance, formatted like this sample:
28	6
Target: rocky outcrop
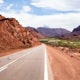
1	17
13	35
35	32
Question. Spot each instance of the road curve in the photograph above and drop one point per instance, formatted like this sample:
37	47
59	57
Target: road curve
23	65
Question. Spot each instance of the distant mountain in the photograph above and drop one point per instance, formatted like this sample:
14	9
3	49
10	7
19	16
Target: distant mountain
34	32
52	32
13	35
76	29
74	35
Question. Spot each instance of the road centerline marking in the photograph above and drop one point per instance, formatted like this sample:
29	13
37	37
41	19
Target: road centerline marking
6	66
3	68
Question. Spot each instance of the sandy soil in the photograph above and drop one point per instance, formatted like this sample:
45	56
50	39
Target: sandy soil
65	65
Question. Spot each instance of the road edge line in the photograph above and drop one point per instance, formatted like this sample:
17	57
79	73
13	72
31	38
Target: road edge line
45	65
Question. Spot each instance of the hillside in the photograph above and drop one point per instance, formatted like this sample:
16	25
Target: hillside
74	35
35	32
13	35
52	32
77	29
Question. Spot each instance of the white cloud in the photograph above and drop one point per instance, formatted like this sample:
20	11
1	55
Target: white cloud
9	6
1	1
68	21
26	8
64	5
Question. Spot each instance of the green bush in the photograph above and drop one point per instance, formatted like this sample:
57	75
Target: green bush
62	43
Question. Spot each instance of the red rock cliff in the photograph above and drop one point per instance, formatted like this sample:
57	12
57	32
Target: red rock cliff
13	35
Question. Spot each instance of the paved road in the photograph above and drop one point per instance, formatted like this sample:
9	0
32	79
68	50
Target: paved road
23	65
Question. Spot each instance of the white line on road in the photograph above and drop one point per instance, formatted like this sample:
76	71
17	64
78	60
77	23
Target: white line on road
6	66
3	68
45	65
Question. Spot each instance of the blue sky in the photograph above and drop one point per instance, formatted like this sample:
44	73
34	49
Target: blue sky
39	13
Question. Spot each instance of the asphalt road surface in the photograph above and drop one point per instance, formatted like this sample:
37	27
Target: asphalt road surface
28	64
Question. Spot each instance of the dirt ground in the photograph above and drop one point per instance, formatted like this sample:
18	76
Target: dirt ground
65	65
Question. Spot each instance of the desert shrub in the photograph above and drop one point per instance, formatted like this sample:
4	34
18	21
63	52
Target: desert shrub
63	43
